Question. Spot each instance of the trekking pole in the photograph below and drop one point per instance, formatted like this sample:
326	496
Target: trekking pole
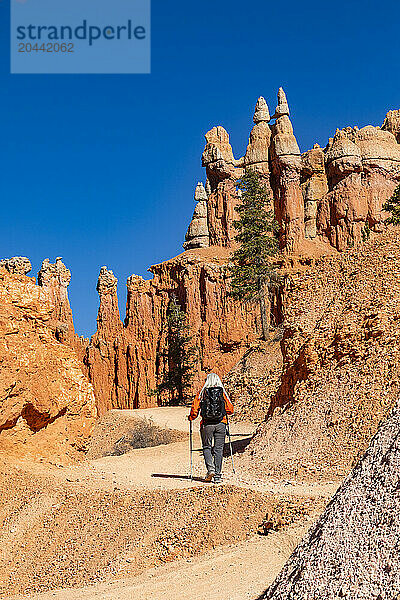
230	445
191	451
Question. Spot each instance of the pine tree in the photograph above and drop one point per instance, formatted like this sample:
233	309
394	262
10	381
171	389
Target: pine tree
393	207
181	355
252	271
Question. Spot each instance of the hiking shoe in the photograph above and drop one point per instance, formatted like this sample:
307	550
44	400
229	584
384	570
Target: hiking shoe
217	479
209	477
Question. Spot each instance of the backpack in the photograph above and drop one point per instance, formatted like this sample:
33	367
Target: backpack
212	405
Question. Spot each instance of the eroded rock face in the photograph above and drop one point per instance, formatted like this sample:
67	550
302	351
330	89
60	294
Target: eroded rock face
341	357
392	123
314	187
359	560
363	169
222	172
47	406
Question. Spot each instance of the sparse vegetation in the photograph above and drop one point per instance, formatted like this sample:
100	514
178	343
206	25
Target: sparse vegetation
252	271
145	435
365	232
392	206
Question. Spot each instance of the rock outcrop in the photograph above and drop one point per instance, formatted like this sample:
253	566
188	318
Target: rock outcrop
106	355
363	169
392	123
286	167
257	153
352	550
314	187
324	200
47	406
222	172
18	265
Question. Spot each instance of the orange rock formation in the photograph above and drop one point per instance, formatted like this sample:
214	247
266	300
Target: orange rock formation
324	200
47	405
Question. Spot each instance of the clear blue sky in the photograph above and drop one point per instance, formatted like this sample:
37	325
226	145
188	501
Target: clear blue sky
100	169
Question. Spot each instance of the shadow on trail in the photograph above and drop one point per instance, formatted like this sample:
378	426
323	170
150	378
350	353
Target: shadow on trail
238	446
168	476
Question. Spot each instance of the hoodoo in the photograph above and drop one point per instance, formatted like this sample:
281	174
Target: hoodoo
198	235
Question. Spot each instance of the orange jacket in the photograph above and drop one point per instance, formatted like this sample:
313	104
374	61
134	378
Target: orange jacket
196	409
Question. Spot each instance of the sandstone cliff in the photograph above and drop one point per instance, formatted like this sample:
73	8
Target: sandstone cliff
329	195
47	407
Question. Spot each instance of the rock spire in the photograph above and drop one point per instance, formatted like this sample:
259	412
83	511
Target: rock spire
283	106
286	165
198	235
55	279
261	112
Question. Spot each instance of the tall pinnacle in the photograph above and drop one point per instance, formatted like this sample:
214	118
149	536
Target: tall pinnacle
261	111
200	193
283	107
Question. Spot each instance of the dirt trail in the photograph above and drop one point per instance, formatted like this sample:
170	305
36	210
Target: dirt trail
168	467
223	573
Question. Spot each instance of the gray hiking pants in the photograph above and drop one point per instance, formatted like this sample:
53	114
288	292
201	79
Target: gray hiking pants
213	438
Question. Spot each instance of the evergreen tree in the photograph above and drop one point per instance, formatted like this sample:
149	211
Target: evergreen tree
393	207
181	355
251	271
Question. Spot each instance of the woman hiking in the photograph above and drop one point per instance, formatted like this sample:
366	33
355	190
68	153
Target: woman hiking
214	405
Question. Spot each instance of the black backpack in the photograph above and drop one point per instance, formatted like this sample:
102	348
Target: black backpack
212	405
